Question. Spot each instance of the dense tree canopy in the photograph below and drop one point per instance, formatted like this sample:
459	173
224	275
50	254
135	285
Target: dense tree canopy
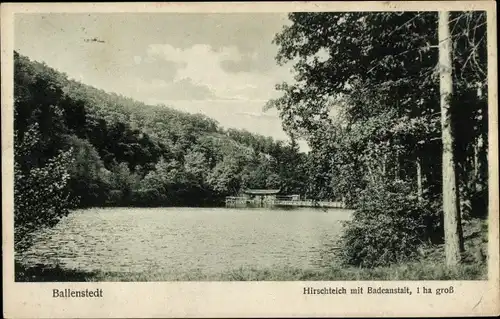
366	97
366	85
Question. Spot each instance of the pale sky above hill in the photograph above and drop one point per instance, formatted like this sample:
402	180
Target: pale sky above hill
220	65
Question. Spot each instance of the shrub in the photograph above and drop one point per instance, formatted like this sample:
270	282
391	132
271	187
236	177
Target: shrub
388	226
41	194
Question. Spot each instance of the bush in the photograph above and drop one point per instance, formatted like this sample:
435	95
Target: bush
41	194
388	226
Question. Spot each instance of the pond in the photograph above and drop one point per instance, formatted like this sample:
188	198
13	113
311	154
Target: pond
185	239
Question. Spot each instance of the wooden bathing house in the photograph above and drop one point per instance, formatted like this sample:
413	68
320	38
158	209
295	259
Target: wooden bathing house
253	197
261	196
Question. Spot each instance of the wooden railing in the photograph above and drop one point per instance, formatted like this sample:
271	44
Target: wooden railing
243	201
309	203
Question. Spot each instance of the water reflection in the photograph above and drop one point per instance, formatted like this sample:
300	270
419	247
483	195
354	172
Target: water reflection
210	239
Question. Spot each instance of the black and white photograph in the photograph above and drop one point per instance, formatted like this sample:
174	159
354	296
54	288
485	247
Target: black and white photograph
298	146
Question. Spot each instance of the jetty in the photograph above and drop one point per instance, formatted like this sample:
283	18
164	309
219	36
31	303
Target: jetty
272	198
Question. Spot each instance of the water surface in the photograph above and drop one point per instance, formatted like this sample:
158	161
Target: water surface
184	239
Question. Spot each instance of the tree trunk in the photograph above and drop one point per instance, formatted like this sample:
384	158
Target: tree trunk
420	192
478	178
451	210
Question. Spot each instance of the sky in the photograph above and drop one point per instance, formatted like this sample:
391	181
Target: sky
220	65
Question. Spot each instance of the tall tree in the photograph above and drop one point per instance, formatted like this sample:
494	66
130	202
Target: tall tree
451	207
366	96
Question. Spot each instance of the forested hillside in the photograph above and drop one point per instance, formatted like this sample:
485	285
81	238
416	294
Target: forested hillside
112	150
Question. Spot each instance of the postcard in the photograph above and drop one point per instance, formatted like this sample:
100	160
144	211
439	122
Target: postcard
250	159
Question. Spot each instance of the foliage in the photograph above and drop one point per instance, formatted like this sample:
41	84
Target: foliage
89	179
41	196
388	226
123	180
129	153
366	98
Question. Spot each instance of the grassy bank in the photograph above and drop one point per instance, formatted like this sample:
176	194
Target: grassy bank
410	271
417	271
430	267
